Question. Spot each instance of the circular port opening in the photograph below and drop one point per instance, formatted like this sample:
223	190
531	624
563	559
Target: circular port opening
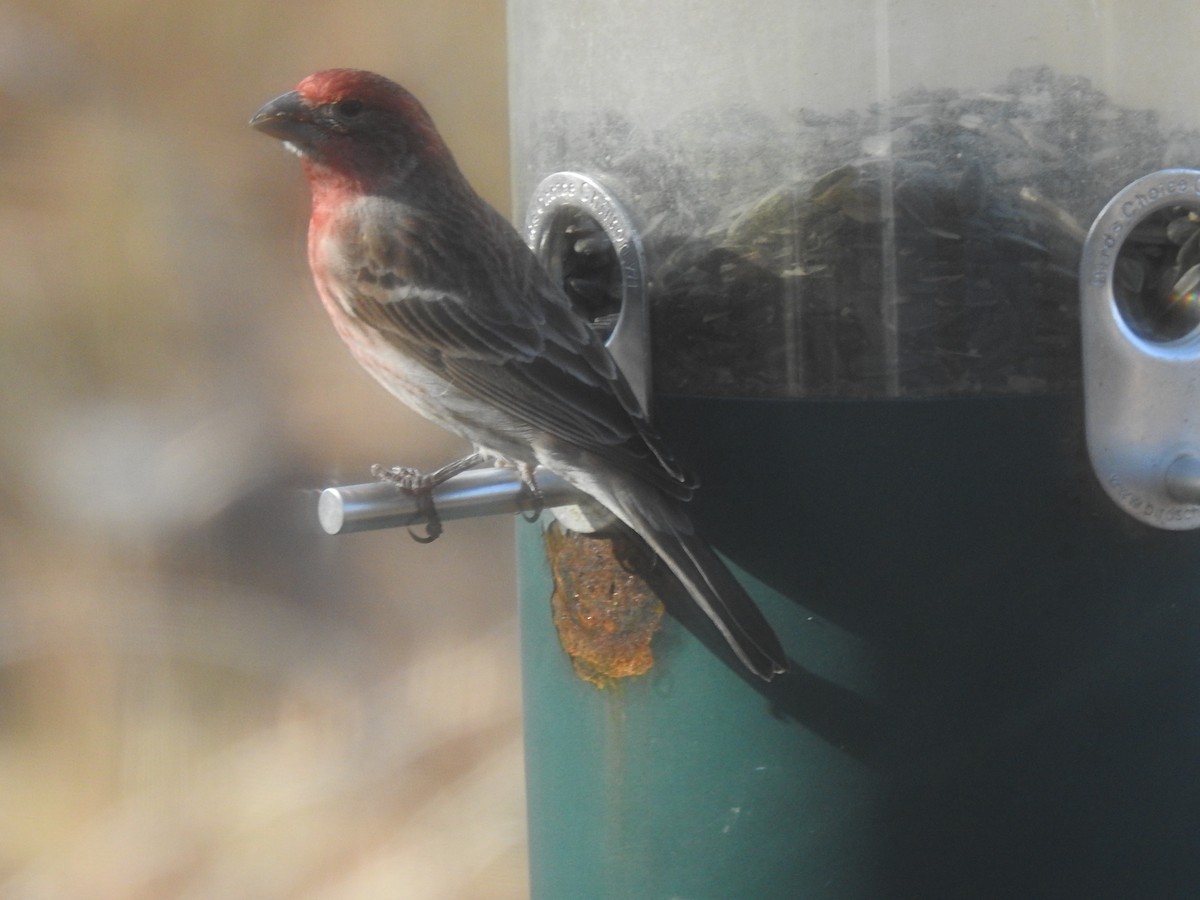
579	255
1156	280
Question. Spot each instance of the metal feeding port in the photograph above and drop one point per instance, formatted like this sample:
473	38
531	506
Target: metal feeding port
586	241
1140	285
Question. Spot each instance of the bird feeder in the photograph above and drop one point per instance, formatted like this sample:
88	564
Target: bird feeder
913	288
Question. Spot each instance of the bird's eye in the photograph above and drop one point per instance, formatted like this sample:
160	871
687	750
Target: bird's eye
348	109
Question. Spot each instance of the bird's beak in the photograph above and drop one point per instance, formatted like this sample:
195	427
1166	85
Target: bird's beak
289	119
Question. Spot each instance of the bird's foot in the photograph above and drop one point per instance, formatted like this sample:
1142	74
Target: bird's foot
420	485
530	499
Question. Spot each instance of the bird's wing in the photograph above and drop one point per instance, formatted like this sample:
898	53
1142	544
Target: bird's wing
513	342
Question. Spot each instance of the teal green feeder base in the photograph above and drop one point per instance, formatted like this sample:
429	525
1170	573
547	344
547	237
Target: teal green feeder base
668	784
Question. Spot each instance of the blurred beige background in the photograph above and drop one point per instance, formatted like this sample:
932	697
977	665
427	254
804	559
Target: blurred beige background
200	694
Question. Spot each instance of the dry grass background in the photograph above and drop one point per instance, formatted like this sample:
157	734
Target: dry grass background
200	695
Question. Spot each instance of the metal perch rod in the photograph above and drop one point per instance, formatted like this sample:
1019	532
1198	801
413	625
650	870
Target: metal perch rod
477	492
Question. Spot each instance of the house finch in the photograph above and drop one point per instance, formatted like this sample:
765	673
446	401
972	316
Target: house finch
439	298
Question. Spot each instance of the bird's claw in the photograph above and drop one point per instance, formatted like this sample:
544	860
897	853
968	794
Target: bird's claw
420	487
433	522
530	500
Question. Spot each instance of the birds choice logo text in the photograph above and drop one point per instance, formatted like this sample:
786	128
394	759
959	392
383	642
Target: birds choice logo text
1105	246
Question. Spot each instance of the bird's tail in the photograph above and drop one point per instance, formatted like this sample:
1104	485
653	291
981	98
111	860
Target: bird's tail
665	526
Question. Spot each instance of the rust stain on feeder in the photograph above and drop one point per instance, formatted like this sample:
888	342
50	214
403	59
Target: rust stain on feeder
604	612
